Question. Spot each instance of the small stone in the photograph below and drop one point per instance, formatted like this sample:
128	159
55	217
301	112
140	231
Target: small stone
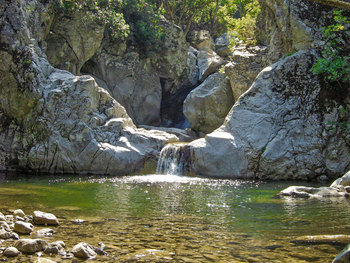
23	227
45	232
19	212
84	250
11	252
18	218
30	246
5	234
55	248
4	225
41	218
78	221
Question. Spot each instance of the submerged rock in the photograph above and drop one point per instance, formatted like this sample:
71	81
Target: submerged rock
84	250
11	252
308	192
42	218
45	232
323	239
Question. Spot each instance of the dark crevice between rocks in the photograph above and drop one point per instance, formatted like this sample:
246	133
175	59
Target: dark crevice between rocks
171	108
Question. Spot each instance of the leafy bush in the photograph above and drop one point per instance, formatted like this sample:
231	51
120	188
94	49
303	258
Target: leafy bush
333	64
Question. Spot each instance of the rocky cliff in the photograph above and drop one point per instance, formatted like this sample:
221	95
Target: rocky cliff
285	125
53	120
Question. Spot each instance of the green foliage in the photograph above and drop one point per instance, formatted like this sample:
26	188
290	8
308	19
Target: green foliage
104	12
333	64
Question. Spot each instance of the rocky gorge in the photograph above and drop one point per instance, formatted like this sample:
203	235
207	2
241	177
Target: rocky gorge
74	101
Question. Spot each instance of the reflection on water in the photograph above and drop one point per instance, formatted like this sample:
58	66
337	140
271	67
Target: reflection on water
158	218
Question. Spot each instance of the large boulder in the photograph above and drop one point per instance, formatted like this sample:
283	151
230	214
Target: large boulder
207	105
245	65
279	129
208	62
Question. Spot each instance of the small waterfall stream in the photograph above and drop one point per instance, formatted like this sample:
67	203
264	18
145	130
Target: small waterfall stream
171	160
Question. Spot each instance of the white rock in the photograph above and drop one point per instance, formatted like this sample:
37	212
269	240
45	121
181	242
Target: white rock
208	63
84	250
42	218
11	252
19	212
5	234
23	227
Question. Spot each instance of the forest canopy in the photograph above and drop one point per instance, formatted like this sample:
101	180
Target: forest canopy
139	20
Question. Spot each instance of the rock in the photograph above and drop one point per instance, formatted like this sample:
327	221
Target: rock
308	192
343	181
84	250
44	260
18	218
183	135
4	225
207	105
45	232
288	27
200	39
19	212
11	252
323	239
42	218
30	246
71	125
192	67
9	218
55	248
23	228
5	234
343	256
71	41
208	63
277	129
2	217
222	45
245	65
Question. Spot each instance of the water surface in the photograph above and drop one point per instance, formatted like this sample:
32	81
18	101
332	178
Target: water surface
167	218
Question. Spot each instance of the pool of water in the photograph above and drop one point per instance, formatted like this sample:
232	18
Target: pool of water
165	218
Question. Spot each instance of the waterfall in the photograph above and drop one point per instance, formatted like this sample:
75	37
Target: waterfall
171	160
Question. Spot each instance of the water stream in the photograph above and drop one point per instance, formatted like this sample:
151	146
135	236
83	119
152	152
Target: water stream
171	160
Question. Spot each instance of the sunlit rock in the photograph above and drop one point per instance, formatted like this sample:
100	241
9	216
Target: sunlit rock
23	227
11	252
84	250
42	218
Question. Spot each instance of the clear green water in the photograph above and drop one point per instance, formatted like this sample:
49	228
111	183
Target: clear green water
162	218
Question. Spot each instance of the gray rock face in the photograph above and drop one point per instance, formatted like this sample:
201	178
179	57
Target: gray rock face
287	26
222	45
23	228
11	252
30	246
278	129
132	82
207	105
192	67
200	39
84	250
208	63
244	67
72	41
42	218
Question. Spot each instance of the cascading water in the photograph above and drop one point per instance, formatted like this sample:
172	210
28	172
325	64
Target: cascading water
171	160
